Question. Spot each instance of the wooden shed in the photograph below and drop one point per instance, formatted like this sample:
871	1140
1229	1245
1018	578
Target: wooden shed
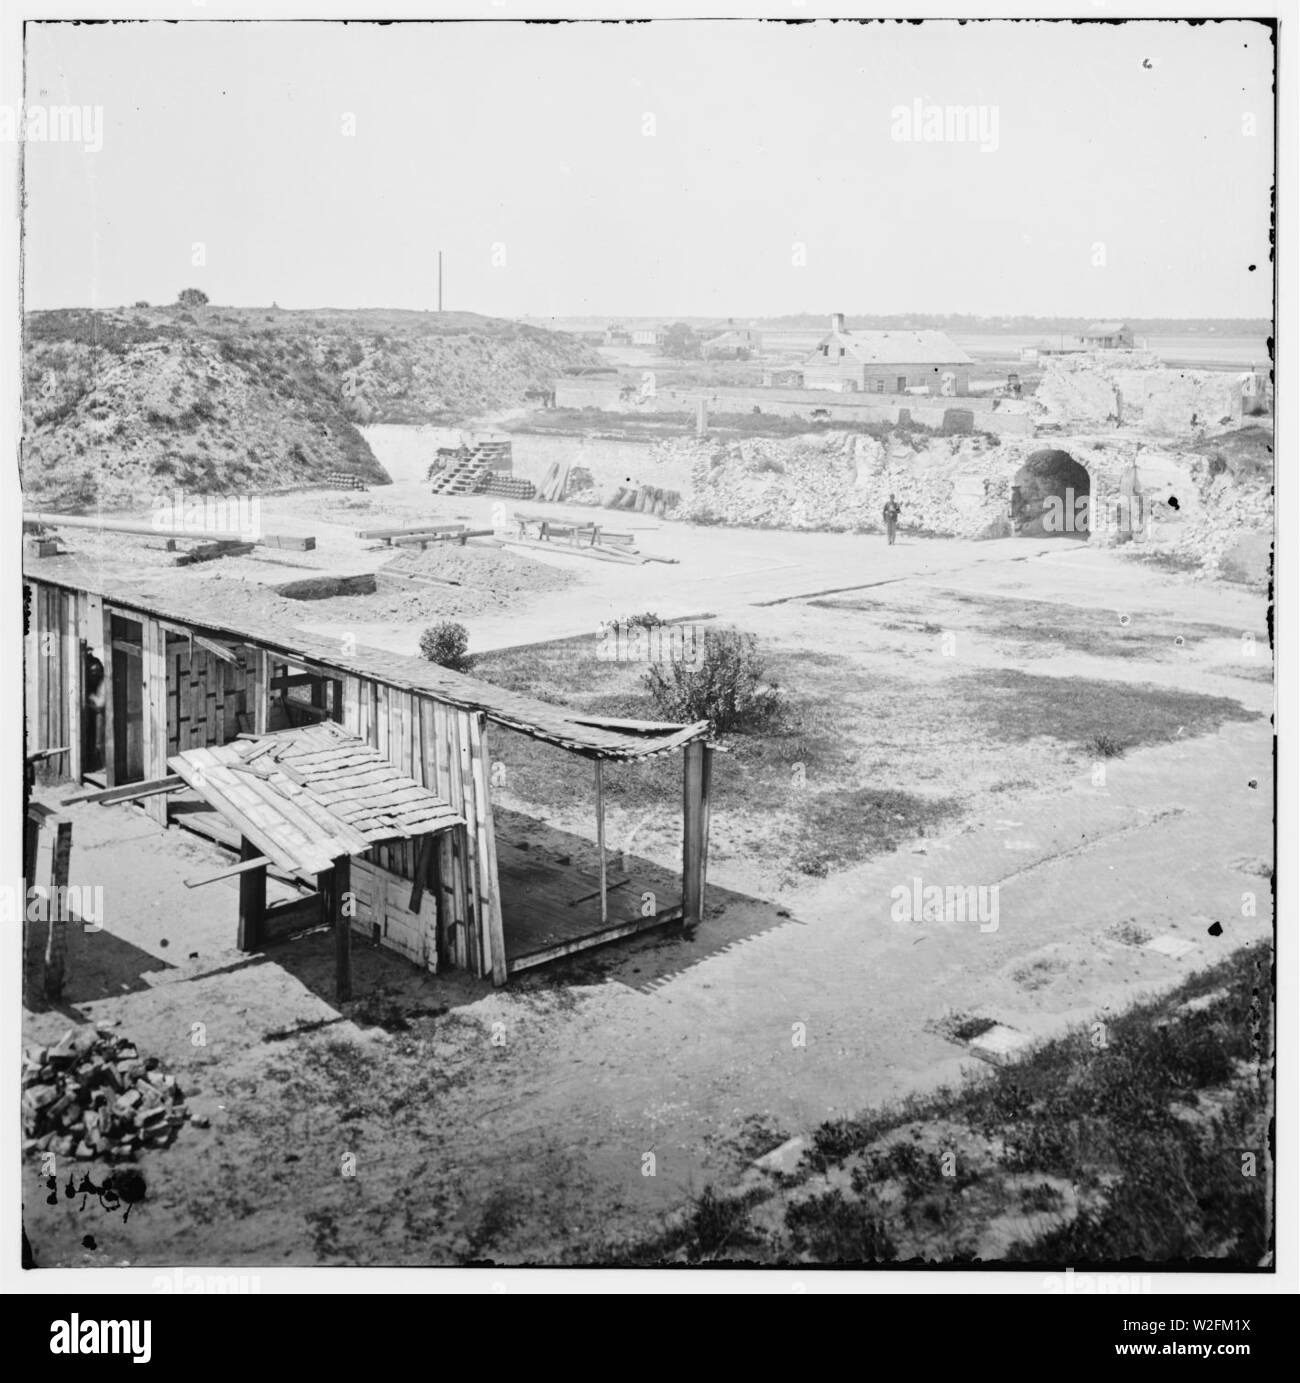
185	693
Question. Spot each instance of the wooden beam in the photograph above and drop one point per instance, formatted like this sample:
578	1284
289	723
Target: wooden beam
128	792
259	690
154	711
113	715
146	530
336	885
223	651
72	670
56	941
252	895
257	862
585	943
423	862
692	820
600	839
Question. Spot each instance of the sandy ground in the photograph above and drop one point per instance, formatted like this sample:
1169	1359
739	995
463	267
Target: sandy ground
519	1125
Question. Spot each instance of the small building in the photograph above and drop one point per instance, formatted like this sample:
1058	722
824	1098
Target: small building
1107	336
783	379
336	769
732	343
887	362
616	334
649	336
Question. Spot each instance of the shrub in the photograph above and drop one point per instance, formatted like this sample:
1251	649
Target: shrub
141	303
446	644
647	620
725	685
192	297
1105	746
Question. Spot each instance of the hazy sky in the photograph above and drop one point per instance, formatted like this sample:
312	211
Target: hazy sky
523	152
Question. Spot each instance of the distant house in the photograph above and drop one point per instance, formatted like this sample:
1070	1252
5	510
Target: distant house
887	362
1100	336
617	335
648	336
732	343
1107	336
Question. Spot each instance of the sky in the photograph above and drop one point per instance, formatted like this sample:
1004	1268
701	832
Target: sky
676	168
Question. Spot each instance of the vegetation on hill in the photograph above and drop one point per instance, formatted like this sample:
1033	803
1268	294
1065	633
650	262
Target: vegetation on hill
122	404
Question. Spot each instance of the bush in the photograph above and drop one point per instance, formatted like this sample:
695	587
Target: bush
446	645
647	620
192	297
725	685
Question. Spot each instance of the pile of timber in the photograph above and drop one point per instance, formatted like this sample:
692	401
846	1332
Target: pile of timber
422	534
555	483
646	499
340	480
579	539
93	1095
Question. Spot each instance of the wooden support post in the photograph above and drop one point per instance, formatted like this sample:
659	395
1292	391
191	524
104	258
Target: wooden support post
706	781
692	834
252	898
340	883
72	670
154	712
423	865
259	690
56	941
600	839
489	877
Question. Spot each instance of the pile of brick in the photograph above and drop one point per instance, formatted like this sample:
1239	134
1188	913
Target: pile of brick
93	1095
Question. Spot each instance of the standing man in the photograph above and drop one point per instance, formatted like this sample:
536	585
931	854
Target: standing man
891	511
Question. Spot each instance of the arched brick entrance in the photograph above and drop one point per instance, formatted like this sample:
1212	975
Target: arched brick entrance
1050	496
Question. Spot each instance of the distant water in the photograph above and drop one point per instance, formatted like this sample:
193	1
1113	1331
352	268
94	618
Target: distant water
1202	351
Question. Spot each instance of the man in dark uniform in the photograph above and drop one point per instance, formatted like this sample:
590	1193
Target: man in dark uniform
891	511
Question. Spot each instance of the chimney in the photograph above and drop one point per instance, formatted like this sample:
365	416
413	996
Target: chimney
837	322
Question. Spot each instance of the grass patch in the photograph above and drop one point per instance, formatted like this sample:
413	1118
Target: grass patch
718	1230
859	764
845	826
1011	705
1081	1152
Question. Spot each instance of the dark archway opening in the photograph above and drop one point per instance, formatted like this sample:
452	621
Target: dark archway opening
1050	497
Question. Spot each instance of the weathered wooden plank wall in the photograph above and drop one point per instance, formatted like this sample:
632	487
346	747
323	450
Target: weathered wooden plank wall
205	695
173	696
444	749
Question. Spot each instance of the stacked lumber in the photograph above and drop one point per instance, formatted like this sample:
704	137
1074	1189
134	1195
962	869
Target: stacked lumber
93	1095
645	499
340	480
555	483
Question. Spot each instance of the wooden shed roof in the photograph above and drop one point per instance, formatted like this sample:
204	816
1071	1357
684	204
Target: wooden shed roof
307	796
591	736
